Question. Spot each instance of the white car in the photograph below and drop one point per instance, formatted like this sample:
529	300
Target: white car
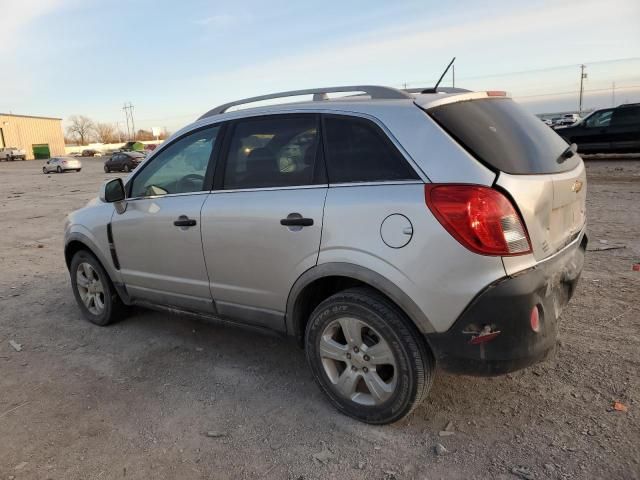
568	119
61	164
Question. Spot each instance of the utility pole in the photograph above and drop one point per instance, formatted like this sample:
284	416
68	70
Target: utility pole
613	94
128	113
453	73
582	77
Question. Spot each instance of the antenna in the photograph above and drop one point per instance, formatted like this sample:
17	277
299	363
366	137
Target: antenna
435	88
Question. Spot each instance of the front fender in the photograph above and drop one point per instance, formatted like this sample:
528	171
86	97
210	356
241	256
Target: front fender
97	245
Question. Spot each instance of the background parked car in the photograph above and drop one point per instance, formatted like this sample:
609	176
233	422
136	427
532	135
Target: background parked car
12	153
61	164
568	119
123	161
90	152
607	130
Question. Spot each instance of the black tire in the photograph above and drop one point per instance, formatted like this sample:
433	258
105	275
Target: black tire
415	364
126	168
78	169
44	170
114	309
59	170
107	169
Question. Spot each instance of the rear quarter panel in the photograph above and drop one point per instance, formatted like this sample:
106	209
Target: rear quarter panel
433	269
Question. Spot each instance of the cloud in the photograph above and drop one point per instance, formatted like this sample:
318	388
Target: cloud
220	20
17	15
418	46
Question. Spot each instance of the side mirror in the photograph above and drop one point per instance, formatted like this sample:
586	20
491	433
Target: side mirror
112	191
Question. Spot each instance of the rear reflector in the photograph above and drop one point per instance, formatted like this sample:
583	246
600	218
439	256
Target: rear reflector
535	319
480	218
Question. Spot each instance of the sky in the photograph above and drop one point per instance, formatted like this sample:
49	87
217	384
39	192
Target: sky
174	60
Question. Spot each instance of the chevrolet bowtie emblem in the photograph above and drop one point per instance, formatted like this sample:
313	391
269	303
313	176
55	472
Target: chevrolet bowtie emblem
577	186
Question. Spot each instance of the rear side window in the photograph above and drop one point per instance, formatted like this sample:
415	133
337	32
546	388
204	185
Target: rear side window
358	151
272	152
504	136
626	116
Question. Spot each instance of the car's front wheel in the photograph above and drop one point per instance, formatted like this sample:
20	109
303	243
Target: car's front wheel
107	169
126	168
367	356
93	290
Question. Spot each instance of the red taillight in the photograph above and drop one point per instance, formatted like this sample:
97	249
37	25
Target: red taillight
496	93
480	218
64	161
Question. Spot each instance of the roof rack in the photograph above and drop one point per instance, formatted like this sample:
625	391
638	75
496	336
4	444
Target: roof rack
374	91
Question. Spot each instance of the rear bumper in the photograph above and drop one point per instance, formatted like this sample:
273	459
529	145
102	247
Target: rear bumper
505	307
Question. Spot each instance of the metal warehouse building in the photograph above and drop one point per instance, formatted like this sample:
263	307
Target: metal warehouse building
40	137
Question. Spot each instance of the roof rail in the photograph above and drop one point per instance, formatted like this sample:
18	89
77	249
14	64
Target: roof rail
374	91
437	90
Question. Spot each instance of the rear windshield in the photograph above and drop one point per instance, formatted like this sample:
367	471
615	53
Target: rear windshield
504	136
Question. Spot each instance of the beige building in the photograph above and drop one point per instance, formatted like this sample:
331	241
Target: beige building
40	137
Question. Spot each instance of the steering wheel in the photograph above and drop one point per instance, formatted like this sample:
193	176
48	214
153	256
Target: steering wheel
188	182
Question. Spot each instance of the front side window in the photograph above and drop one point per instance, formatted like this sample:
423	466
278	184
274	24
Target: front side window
599	119
272	152
179	168
358	152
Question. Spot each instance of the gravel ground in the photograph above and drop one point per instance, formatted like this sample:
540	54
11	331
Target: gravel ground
161	396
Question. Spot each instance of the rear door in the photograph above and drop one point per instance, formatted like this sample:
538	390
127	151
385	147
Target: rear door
261	226
548	187
625	129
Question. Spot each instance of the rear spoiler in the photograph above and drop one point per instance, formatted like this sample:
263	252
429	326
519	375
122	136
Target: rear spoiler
430	101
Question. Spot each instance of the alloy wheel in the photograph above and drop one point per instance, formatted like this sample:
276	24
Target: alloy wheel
90	288
358	361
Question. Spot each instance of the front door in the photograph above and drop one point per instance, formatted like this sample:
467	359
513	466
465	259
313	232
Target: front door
157	238
261	226
593	135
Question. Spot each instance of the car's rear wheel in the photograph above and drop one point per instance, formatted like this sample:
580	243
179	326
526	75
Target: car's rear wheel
367	356
93	290
107	169
126	168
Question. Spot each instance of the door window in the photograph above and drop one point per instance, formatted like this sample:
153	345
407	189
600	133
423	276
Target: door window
272	152
179	168
626	116
357	151
599	119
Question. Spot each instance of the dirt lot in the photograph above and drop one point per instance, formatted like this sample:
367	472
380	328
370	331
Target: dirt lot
137	399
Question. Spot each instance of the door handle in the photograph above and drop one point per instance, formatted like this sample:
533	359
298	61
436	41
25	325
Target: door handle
184	221
296	222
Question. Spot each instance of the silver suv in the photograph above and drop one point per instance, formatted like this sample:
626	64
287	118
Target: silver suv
388	232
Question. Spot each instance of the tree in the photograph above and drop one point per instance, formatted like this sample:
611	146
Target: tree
144	135
106	132
81	127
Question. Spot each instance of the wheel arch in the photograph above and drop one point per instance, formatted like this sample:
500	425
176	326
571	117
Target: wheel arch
321	281
77	241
